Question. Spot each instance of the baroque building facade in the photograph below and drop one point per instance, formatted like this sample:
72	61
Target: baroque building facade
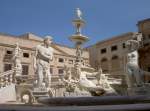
63	55
110	54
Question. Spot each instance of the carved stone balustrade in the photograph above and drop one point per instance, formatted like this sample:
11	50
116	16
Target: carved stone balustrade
7	78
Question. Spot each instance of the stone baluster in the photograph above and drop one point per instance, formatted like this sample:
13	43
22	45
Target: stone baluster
4	80
7	80
0	82
11	78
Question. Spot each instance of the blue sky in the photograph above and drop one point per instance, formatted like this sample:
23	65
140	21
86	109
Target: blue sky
104	18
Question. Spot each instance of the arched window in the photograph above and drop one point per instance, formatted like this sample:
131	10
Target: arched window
114	57
104	65
115	63
104	60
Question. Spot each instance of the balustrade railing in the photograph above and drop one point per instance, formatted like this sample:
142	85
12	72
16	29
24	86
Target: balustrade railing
6	78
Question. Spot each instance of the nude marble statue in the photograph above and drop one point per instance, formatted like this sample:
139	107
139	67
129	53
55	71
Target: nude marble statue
43	57
134	75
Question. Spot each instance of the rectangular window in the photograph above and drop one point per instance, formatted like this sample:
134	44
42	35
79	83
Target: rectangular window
60	71
25	69
8	55
103	51
149	36
148	69
61	60
26	55
123	45
70	62
113	48
143	37
9	52
7	67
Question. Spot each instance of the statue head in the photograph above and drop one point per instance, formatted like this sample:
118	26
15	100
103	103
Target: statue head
138	37
48	40
135	43
132	45
17	45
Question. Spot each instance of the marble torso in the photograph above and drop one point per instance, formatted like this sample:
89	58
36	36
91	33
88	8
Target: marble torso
133	58
46	51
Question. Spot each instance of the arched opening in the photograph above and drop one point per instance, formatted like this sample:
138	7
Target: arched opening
115	63
104	65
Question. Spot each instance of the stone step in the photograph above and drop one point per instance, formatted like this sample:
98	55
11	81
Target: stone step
126	107
39	94
103	100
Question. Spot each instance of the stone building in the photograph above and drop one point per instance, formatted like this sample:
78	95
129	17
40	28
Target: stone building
62	55
110	55
144	52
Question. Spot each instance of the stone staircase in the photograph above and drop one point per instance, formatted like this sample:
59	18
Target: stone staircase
13	88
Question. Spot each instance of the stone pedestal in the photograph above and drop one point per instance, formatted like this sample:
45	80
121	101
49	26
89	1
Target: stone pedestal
142	90
103	100
40	92
8	93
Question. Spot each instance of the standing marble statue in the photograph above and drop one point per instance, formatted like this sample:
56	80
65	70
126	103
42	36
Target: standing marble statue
17	60
134	74
43	57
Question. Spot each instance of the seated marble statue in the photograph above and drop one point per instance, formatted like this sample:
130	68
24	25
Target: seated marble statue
102	86
42	59
83	83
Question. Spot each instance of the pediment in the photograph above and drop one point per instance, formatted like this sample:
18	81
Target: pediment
58	50
31	36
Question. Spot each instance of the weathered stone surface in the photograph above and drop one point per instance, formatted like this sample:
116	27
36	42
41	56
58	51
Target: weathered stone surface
7	93
77	94
86	101
143	90
126	107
